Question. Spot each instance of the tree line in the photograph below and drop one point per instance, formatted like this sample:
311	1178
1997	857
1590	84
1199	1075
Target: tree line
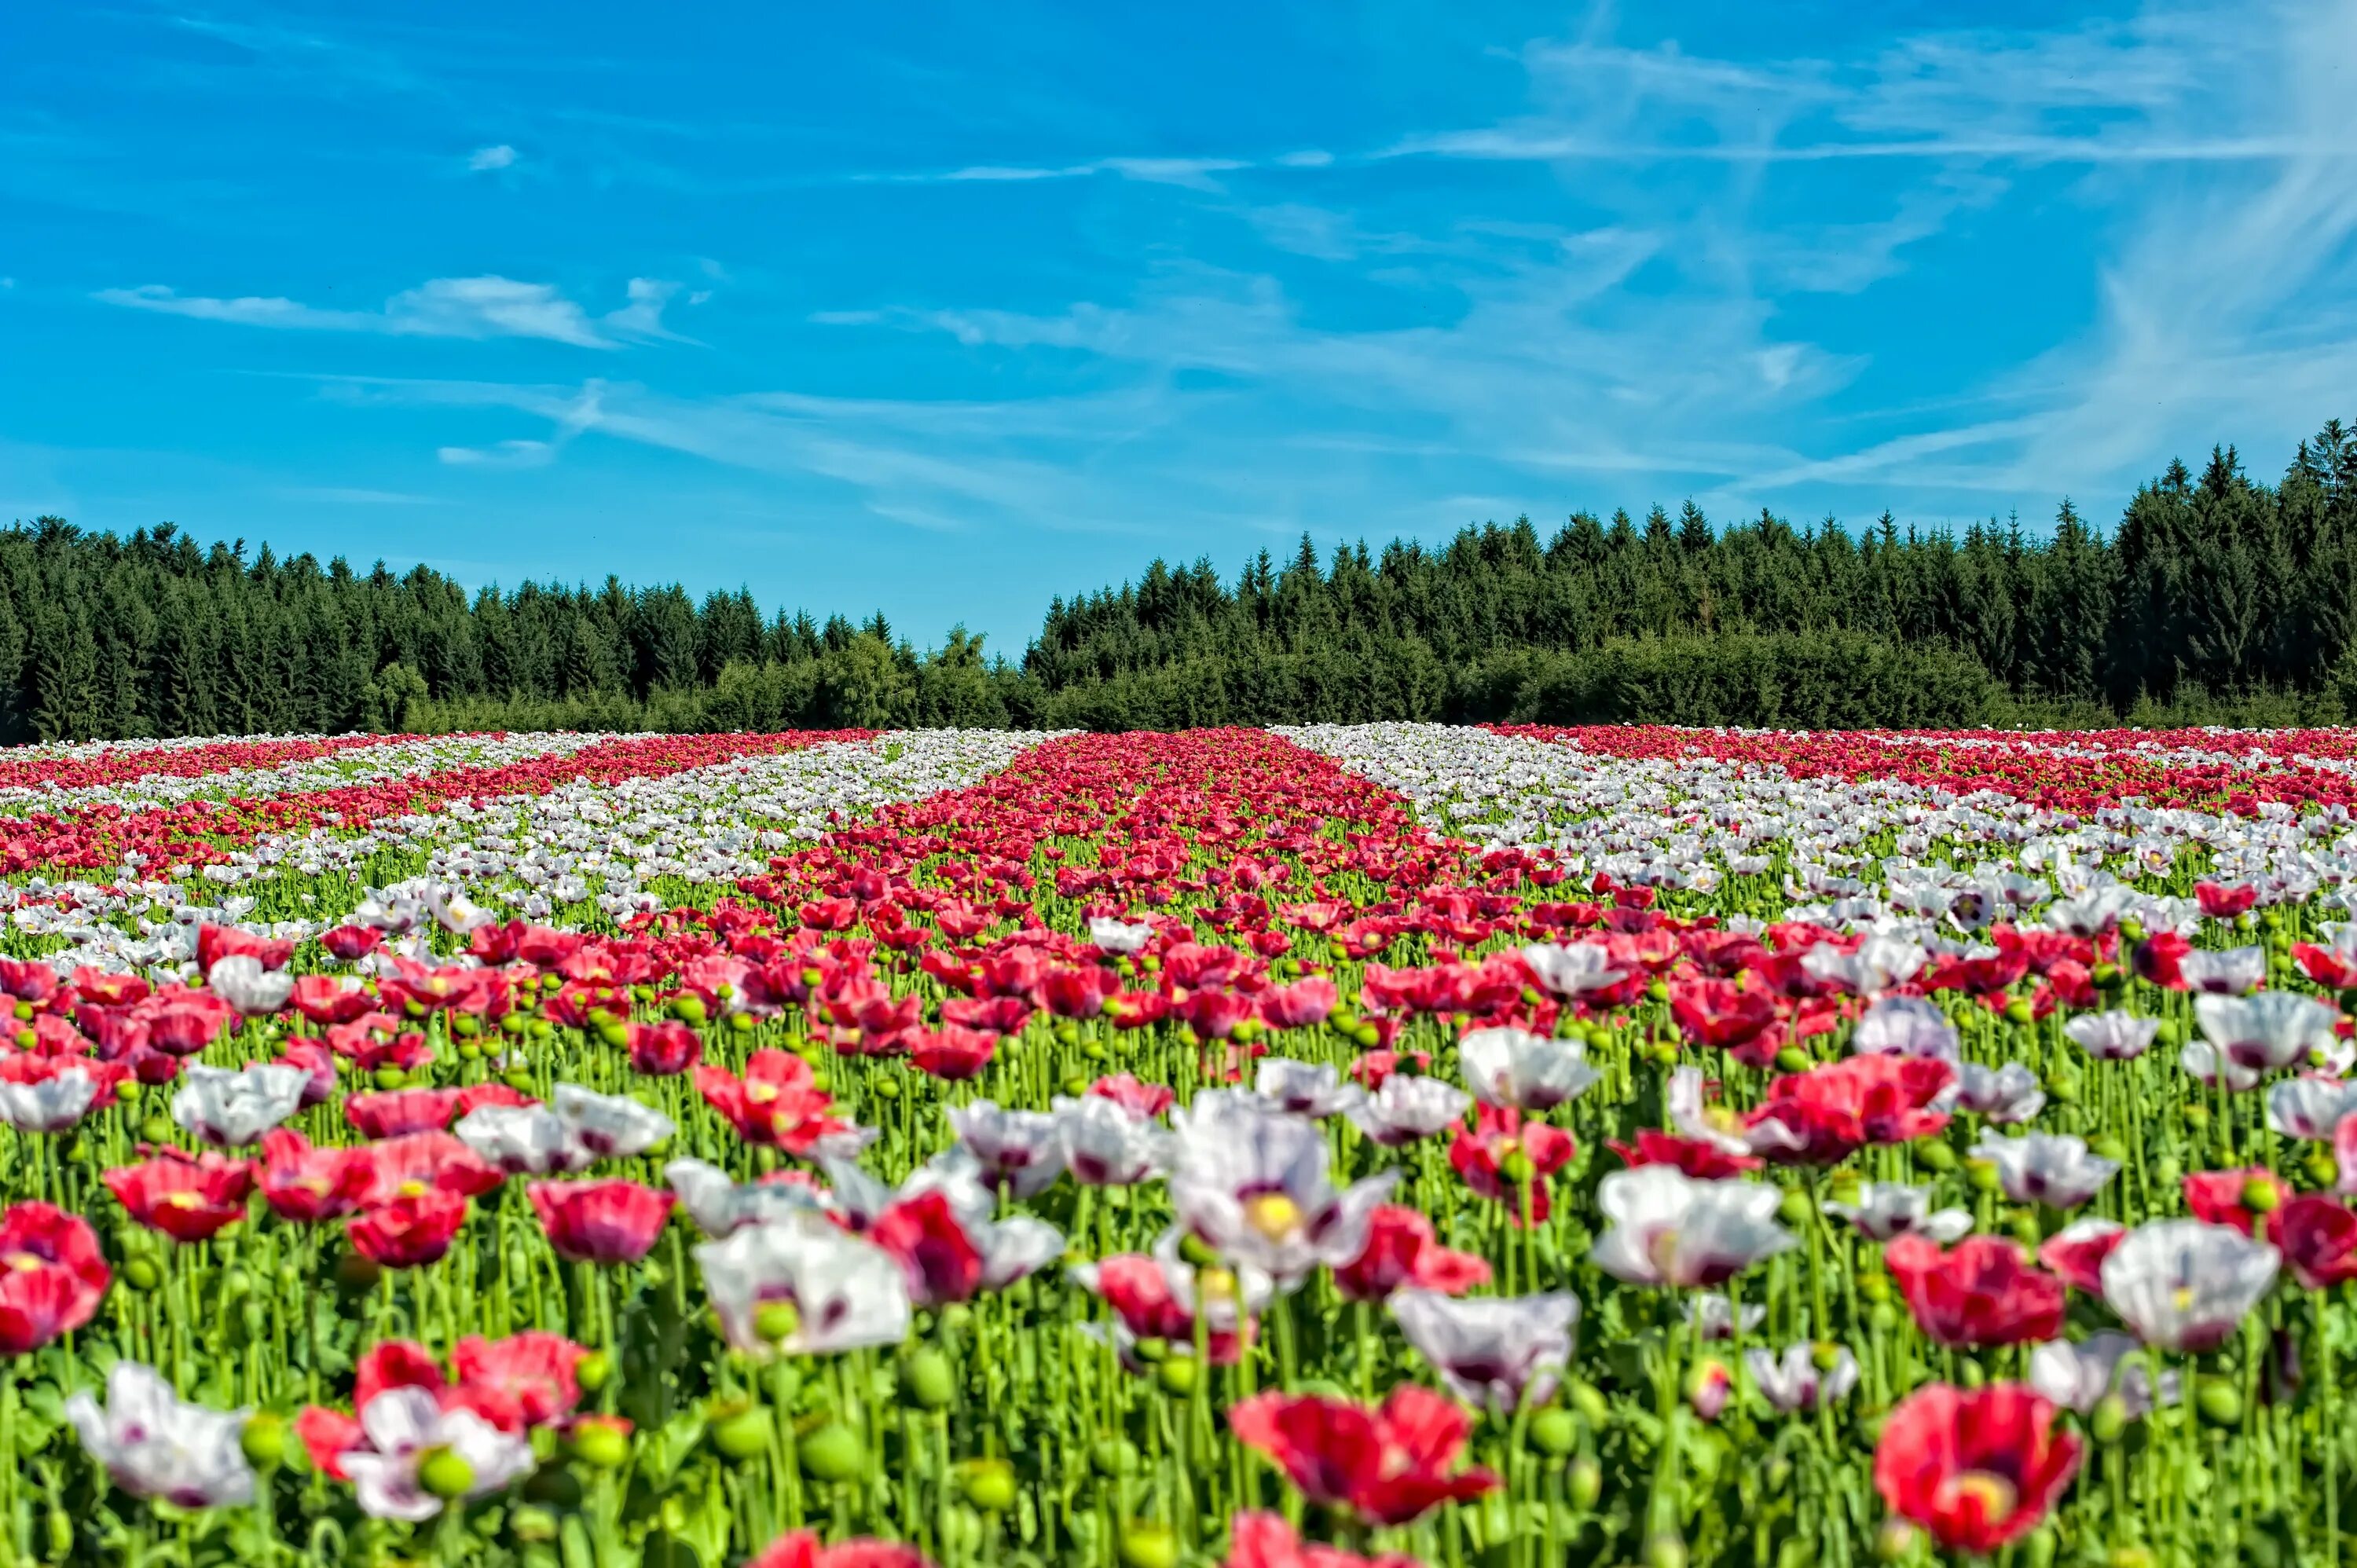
2216	596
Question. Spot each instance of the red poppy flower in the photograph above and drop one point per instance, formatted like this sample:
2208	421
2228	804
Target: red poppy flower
2318	1237
2221	901
398	1112
477	1095
351	942
1721	1013
801	1549
1143	1100
327	1436
952	1053
1498	1135
1301	1006
600	1221
939	1258
1698	1158
1388	1465
1980	1293
1138	1290
663	1051
186	1199
396	1364
215	943
411	1230
2217	1197
774	1102
2077	1253
325	1000
2156	958
1266	1541
524	1381
1829	1113
52	1276
1975	1468
307	1185
422	1161
184	1023
1403	1249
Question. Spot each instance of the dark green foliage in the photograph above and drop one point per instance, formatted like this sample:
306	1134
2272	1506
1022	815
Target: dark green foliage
2215	598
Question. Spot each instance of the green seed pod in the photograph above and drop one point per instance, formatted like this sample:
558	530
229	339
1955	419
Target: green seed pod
2109	1421
600	1444
594	1371
389	1078
129	1091
1555	1433
987	1484
155	1130
1366	1037
1792	1058
1076	1084
512	1025
264	1440
2019	1012
1664	1551
1178	1375
469	1052
2108	1146
465	1025
688	1008
444	1473
1658	991
1794	1207
1884	1317
142	1274
741	1023
1934	1156
743	1435
832	1454
2220	1403
2038	1551
2262	1196
1145	1544
1584	1483
1112	1457
1589	1403
519	1078
2025	1228
1981	1175
926	1380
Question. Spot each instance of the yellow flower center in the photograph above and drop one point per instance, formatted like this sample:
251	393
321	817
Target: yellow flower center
1274	1214
1994	1496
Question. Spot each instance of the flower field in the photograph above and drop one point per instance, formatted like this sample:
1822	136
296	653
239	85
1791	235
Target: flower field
1391	1144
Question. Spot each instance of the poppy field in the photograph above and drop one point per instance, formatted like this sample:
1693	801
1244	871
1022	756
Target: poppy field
1389	1143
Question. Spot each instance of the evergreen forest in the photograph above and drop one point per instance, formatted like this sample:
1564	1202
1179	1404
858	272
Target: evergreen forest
2214	598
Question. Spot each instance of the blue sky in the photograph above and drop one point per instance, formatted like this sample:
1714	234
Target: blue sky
950	309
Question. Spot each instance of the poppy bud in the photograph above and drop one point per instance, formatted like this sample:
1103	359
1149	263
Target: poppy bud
600	1442
1589	1401
592	1371
742	1435
1585	1483
2108	1145
1792	1058
141	1273
264	1440
1178	1375
1981	1175
832	1454
1113	1455
2261	1195
2220	1403
740	1022
1516	1167
389	1078
445	1474
1934	1156
1555	1432
987	1484
927	1381
688	1008
2018	1011
155	1130
129	1089
1794	1207
2109	1419
1659	990
1145	1544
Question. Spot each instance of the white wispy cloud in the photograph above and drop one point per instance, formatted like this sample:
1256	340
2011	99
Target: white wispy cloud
485	160
479	307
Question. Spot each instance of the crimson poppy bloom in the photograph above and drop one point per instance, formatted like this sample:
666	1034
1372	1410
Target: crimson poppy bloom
1980	1292
1300	1005
2077	1251
524	1381
397	1111
1976	1468
1499	1138
600	1221
801	1549
1703	1160
1830	1113
1143	1100
419	1161
52	1276
952	1053
773	1103
186	1199
940	1258
411	1230
351	942
663	1051
1721	1013
2318	1237
2218	1198
307	1185
1266	1541
1404	1251
1389	1466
